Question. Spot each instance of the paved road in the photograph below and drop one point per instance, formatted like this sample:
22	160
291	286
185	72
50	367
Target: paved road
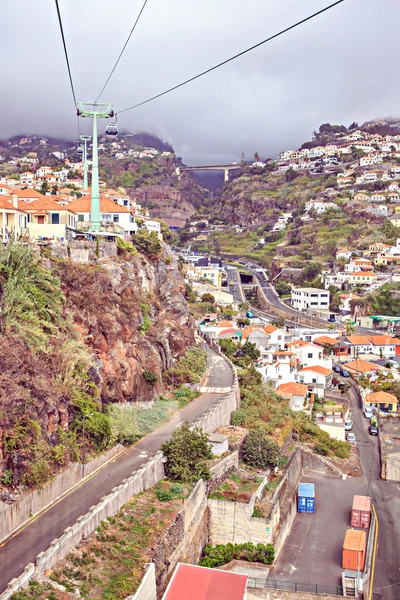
37	536
312	552
386	498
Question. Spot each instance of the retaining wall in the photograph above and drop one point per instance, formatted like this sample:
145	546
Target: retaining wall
139	481
147	589
15	515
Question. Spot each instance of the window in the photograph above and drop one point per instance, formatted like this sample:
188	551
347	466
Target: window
116	218
314	380
309	355
80	217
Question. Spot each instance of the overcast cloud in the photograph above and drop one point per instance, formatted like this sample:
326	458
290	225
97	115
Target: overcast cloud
339	67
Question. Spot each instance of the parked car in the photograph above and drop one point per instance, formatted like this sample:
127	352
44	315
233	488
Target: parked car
351	438
344	373
336	368
373	430
348	425
368	412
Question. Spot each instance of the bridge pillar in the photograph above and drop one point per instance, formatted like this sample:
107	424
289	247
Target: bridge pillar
178	172
226	174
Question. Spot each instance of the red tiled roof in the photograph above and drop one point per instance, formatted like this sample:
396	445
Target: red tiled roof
380	397
201	583
46	203
29	193
318	369
384	340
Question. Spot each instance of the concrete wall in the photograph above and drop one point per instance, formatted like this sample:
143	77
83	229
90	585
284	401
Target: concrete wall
13	516
368	557
221	470
147	589
233	521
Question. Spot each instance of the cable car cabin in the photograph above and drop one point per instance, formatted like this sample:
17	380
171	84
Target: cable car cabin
79	150
112	129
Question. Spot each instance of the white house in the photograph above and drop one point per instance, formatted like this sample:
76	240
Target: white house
43	171
308	354
344	253
26	178
310	298
153	226
316	378
110	213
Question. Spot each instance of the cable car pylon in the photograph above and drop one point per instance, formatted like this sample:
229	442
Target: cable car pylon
95	111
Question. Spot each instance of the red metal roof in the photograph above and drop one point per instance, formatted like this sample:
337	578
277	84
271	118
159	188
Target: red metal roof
191	582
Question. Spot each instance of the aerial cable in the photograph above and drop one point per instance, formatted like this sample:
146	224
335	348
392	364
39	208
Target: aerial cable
65	52
175	87
123	49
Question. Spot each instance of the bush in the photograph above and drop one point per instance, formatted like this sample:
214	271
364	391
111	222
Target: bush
260	451
164	495
221	554
187	452
125	248
150	377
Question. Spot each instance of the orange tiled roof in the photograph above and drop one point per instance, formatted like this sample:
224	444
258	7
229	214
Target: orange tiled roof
358	340
380	397
46	203
82	205
318	369
6	203
326	339
29	193
270	328
292	389
225	324
384	340
361	366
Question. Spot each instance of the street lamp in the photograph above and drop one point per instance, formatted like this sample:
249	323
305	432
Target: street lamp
83	443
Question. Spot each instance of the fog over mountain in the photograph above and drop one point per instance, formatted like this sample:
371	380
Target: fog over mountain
337	67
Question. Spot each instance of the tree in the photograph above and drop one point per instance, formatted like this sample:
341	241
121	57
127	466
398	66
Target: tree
242	322
331	327
291	175
256	157
350	328
228	347
260	451
283	288
187	452
207	297
44	188
147	242
243	159
250	350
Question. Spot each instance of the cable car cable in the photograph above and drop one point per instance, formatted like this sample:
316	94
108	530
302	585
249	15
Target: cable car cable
66	52
123	49
175	87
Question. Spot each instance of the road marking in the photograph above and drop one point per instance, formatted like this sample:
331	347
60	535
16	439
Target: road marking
179	424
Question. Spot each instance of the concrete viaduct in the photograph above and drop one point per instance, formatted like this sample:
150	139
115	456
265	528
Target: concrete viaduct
224	168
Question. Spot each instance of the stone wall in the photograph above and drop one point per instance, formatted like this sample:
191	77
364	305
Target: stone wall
313	464
184	539
221	470
15	515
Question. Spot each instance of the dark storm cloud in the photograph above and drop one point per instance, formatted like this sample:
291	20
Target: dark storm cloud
339	67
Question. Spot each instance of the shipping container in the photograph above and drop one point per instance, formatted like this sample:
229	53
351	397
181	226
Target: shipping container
361	512
354	546
306	498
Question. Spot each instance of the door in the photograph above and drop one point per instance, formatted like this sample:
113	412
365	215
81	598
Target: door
40	220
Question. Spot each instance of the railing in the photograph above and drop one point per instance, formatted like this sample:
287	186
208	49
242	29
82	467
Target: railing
293	586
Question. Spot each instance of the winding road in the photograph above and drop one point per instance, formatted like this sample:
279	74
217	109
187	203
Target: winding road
23	547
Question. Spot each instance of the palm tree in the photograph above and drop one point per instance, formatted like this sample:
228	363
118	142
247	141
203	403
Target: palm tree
350	327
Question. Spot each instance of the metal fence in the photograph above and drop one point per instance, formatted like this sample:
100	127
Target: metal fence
292	586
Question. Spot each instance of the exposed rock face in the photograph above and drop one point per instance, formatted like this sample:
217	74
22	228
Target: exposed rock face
166	202
135	317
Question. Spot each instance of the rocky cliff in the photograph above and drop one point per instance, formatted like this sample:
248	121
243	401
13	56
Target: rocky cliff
75	337
134	317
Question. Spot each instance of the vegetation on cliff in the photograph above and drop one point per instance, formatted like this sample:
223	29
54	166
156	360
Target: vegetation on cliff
74	338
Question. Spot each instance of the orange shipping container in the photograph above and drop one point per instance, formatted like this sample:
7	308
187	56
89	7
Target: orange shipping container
354	547
361	512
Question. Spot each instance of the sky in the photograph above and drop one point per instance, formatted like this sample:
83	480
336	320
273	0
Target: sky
339	67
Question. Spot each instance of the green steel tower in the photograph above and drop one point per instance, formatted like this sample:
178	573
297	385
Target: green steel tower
95	111
85	139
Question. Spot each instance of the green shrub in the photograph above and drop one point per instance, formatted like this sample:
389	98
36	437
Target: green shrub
125	248
187	452
322	448
260	451
150	377
164	495
221	554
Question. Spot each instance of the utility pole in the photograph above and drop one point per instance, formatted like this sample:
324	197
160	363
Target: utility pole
95	111
85	139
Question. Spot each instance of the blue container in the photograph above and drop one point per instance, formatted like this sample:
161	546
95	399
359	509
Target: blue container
306	498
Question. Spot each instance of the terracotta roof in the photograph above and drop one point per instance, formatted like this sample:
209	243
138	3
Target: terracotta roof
231	331
29	193
292	389
361	366
270	328
6	203
325	339
46	203
381	396
82	205
298	343
225	324
318	369
364	274
248	330
384	340
358	340
201	583
341	250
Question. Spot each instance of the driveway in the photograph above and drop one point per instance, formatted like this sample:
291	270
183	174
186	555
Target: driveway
23	548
